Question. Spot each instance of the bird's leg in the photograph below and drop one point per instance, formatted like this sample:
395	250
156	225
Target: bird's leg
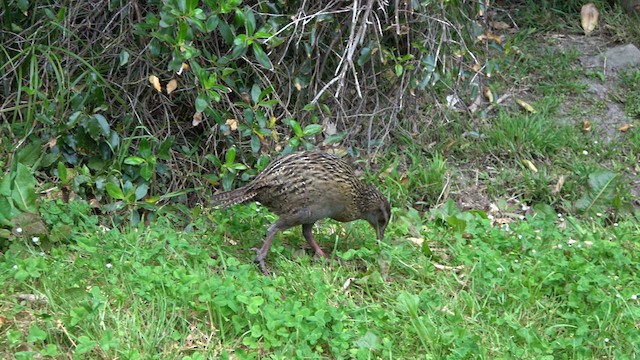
262	252
307	231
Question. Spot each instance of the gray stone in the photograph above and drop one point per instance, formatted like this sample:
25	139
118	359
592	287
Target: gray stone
614	59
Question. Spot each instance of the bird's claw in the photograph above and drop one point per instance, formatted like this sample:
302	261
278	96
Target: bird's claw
260	261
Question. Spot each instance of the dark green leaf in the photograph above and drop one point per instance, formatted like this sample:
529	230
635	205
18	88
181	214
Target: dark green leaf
29	154
146	171
165	147
24	189
226	32
141	191
255	93
250	21
335	138
261	56
601	192
212	23
255	143
144	149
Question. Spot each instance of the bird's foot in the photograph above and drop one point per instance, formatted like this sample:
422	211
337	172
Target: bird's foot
260	257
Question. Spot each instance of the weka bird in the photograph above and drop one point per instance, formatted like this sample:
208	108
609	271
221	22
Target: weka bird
304	187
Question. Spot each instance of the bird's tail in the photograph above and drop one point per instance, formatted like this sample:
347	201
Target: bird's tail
232	197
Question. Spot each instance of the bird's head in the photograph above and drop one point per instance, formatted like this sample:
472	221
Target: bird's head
376	210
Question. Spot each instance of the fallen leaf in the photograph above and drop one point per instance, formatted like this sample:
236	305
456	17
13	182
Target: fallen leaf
233	124
500	25
526	106
197	118
155	82
558	186
586	126
490	36
625	127
589	18
488	94
530	165
172	85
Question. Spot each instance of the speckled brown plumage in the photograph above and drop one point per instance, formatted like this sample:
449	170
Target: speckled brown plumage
304	187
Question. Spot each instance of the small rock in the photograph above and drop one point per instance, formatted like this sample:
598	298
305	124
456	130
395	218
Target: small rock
616	58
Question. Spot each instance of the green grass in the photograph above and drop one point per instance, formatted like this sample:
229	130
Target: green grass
545	287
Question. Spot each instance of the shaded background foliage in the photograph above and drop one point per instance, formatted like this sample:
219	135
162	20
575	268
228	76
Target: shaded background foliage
251	79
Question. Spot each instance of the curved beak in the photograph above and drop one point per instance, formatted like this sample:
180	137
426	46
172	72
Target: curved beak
380	232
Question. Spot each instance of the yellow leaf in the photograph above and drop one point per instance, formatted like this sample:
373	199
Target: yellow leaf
488	94
155	82
589	18
172	85
530	165
526	106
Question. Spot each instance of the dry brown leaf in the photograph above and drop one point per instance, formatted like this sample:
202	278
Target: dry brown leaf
94	204
526	106
233	124
625	127
172	85
530	165
488	94
586	126
155	82
197	118
589	18
558	186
